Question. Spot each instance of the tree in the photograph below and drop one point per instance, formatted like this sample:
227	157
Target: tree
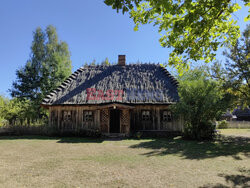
194	29
57	64
28	82
11	110
3	101
201	102
235	75
93	63
48	66
15	110
105	62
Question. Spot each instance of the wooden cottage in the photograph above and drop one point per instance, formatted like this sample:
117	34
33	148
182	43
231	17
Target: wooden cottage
115	99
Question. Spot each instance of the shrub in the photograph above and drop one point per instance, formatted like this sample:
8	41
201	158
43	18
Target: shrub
201	131
19	130
3	122
222	124
201	102
89	133
45	130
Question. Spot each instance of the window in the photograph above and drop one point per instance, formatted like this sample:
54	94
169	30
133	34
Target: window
145	115
167	116
67	116
88	116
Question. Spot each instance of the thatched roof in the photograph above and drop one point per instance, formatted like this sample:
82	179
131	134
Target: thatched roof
140	83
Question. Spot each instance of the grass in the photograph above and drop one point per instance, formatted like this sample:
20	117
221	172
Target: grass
236	132
79	162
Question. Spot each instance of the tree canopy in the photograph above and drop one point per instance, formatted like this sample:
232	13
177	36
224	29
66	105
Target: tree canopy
193	29
48	66
235	75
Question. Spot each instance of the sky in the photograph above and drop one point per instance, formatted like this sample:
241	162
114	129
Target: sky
92	30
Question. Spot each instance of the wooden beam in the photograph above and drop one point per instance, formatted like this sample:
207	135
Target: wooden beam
116	105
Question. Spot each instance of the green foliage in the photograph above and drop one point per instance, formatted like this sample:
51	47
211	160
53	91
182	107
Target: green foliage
194	29
56	66
18	112
48	66
2	104
201	102
202	131
12	109
93	63
106	62
222	124
235	76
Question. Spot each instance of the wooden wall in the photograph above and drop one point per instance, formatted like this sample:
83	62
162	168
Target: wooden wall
57	120
156	122
130	119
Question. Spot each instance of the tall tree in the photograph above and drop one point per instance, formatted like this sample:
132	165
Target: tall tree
236	74
193	28
57	64
28	82
48	66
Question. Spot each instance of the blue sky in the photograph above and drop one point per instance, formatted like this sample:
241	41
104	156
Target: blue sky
91	29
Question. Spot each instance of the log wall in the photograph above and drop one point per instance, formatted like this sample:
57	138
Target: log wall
130	119
156	120
76	121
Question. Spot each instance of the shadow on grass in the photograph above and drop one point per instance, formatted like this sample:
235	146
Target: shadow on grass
222	146
59	139
236	180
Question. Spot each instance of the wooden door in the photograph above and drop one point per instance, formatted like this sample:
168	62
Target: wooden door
114	121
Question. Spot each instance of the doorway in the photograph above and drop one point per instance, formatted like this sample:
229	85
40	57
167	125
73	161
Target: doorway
114	126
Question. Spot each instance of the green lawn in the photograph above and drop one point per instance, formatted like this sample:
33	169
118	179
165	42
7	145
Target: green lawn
236	132
77	162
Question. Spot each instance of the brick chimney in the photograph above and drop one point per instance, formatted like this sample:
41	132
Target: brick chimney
122	60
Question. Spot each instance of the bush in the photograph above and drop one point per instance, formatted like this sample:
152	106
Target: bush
54	131
3	122
45	130
89	133
202	131
201	102
222	124
19	130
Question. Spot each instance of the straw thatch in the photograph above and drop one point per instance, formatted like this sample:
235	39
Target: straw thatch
141	84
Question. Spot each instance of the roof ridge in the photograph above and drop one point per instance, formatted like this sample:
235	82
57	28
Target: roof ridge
131	64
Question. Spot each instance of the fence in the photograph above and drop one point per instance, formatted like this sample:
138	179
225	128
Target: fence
239	124
23	130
